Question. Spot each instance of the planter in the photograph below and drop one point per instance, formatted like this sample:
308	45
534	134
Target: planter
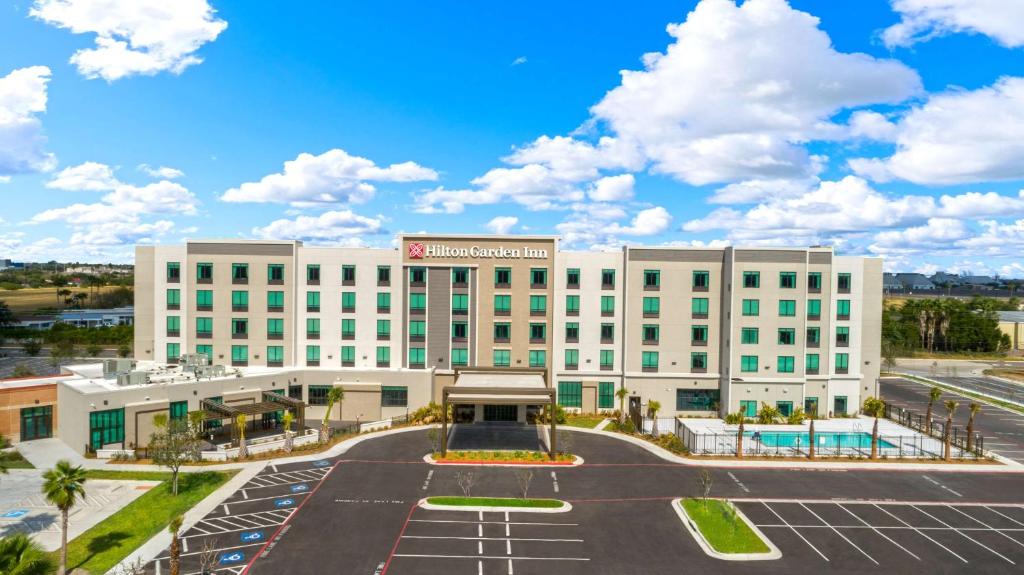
495	504
692	526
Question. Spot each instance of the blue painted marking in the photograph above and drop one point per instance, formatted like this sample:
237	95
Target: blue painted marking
286	502
300	488
251	536
14	514
231	557
321	463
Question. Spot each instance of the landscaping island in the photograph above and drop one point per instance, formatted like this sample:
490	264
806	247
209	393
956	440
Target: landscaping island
723	532
495	502
503	457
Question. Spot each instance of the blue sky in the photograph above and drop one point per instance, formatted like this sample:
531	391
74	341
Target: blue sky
889	128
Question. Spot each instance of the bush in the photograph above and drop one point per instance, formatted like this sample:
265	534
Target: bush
32	347
431	413
22	370
733	418
93	349
125	350
796	417
671	442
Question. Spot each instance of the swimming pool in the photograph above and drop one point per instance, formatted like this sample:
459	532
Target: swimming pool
827	439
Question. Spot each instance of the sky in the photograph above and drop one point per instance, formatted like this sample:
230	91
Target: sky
890	128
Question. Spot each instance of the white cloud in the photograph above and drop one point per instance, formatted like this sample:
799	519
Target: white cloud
649	222
502	224
334	177
88	176
750	191
936	234
162	172
612	188
957	137
5	179
596	226
922	20
342	227
22	98
873	126
519	61
134	36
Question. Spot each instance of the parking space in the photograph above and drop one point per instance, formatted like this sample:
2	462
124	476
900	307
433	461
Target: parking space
989	537
489	542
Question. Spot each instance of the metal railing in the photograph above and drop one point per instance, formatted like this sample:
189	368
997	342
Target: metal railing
827	444
936	428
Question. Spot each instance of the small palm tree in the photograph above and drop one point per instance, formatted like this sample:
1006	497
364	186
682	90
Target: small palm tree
653	407
335	395
20	555
768	414
975	407
951	406
873	407
739	436
933	395
243	451
287	421
810	440
175	550
622	393
63	486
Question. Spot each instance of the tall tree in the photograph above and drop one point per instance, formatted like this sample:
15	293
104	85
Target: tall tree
873	407
174	551
174	443
622	393
63	487
947	431
653	407
975	407
933	395
335	395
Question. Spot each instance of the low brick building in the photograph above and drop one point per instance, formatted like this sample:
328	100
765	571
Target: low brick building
28	408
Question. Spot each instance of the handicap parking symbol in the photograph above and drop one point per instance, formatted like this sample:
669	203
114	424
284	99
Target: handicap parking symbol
231	557
14	514
300	488
286	502
321	463
252	536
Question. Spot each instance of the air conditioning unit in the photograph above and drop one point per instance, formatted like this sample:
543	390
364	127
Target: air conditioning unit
132	378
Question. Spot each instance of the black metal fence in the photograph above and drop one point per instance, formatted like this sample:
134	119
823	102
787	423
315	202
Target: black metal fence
854	444
937	428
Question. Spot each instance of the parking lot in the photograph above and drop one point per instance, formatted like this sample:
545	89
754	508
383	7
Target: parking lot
904	536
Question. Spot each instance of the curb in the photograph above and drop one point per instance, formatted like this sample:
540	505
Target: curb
576	462
424	504
773	551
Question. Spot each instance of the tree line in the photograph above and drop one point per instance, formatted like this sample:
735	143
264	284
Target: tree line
943	325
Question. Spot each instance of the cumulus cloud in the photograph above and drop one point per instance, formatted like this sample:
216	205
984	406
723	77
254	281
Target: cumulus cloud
340	227
922	20
502	224
134	36
333	177
22	98
612	188
599	227
87	176
162	172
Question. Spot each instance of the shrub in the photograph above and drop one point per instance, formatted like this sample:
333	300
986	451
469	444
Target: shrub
733	418
796	417
32	347
22	370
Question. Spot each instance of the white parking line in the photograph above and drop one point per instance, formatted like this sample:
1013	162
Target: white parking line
795	531
426	482
492	522
517	558
883	535
941	486
1006	516
921	533
738	482
554	478
965	536
983	524
482	538
837	532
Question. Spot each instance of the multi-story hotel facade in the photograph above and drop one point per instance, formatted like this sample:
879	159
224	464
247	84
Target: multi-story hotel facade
701	330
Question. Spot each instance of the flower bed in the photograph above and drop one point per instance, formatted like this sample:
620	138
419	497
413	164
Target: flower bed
503	457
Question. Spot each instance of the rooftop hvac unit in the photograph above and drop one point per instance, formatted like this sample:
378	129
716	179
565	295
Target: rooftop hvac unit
209	371
195	359
132	378
113	367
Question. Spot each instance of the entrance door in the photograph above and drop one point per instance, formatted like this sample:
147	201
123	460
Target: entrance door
36	422
501	412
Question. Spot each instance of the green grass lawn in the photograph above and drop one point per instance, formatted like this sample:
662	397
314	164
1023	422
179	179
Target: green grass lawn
724	535
14	460
502	456
107	543
495	502
587	421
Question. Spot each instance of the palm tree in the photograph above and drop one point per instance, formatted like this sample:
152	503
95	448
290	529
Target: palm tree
287	421
873	408
933	395
335	395
63	486
175	550
975	407
622	393
20	555
653	407
243	452
951	406
739	436
810	440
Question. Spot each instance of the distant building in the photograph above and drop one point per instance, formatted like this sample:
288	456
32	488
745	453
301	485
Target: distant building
915	282
4	264
1012	324
981	281
941	278
98	317
889	282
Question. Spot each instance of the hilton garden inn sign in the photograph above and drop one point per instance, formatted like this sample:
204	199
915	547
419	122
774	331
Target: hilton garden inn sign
419	250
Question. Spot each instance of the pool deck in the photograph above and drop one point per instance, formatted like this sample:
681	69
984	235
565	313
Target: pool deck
859	424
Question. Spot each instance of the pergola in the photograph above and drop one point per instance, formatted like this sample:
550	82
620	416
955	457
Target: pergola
498	386
271	402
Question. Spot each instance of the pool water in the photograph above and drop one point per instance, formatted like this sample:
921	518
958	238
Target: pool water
832	440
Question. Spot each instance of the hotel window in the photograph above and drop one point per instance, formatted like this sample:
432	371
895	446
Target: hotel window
239	355
814	281
394	396
383	275
538	278
843	283
460	276
748	363
206	350
348	329
204	272
538	304
275	355
813	336
812	363
787	336
239	300
459	330
275	328
383	302
313	273
348	301
843	309
173	326
607	305
240	273
502	304
204	327
697	399
348	275
173	298
786	364
650	334
839	405
570	394
699	335
312	301
605	395
749	335
572	278
502	358
572	332
502	277
607	358
460	303
787	307
572	358
785	408
572	305
699	307
417	357
348	355
751	279
538	332
698	361
275	273
607	279
460	357
106	427
239	327
295	392
652	279
652	306
751	307
502	332
318	394
813	309
173	352
383	356
312	327
417	329
312	355
842	362
701	280
843	336
173	272
649	360
417	302
538	358
787	280
607	333
275	301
